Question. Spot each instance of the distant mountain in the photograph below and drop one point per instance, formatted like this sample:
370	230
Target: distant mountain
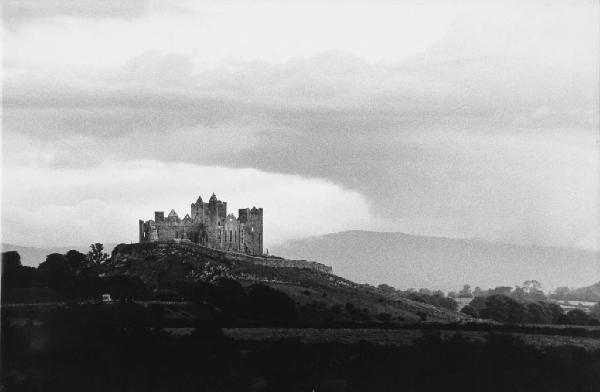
408	261
32	256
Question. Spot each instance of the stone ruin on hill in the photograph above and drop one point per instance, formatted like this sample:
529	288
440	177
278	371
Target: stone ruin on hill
208	224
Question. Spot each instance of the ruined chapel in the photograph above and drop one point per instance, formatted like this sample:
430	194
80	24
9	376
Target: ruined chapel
208	224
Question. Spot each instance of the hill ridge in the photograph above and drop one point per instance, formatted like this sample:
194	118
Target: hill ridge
409	261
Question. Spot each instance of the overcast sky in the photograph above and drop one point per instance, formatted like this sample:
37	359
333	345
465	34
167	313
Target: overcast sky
441	118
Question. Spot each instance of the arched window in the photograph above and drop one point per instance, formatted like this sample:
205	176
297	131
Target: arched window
230	236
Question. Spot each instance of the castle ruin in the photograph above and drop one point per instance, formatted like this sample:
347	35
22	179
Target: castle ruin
209	225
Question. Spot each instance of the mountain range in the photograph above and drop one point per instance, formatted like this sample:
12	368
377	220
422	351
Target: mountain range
409	261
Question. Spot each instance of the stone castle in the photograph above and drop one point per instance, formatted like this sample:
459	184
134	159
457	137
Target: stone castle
209	225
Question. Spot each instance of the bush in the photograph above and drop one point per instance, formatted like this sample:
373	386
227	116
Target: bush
507	309
577	317
470	311
595	310
504	309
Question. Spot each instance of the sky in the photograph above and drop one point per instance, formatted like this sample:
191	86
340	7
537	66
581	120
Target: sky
459	119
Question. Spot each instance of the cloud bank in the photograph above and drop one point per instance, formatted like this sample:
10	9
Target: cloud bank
486	127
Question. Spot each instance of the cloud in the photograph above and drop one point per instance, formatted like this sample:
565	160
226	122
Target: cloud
46	207
16	13
488	133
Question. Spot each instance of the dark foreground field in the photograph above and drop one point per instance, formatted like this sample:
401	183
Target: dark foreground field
77	352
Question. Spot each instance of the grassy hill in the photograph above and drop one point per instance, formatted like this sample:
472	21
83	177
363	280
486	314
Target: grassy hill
315	292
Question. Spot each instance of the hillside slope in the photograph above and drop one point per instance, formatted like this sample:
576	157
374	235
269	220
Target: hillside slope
156	264
406	261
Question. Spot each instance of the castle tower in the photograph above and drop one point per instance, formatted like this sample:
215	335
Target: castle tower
198	211
251	230
142	236
215	222
173	217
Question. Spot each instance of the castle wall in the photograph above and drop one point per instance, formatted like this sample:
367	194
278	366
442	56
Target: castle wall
231	234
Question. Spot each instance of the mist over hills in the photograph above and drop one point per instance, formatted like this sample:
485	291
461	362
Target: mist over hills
408	261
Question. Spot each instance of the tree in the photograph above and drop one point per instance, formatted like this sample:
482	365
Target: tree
478	292
503	290
55	272
11	261
504	309
477	303
96	255
562	293
14	275
465	292
533	289
386	289
530	285
595	310
577	317
470	311
75	259
537	314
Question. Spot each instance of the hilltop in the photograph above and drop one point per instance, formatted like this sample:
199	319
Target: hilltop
315	290
406	261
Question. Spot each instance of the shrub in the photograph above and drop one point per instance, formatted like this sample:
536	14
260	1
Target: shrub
504	309
577	317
